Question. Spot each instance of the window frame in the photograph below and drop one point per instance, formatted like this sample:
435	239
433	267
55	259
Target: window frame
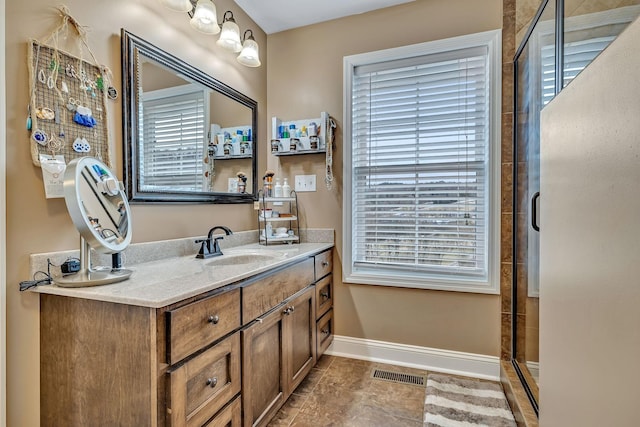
390	277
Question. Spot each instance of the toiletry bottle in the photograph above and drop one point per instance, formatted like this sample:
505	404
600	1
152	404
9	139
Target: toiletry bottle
267	187
277	190
286	189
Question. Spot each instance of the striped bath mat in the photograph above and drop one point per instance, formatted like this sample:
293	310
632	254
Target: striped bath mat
458	402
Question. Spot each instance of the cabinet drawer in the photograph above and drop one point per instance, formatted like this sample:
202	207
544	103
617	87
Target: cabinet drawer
324	263
324	295
203	385
263	295
324	332
230	416
193	326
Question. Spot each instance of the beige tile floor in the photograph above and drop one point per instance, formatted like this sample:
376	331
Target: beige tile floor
341	392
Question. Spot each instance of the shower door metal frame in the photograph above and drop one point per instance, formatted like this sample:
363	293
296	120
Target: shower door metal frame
559	58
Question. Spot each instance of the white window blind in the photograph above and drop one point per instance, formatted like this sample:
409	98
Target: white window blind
420	166
173	132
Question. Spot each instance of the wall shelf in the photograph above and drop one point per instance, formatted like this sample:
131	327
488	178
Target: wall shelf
299	152
304	143
233	157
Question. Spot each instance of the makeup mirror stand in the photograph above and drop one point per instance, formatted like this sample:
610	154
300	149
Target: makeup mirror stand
89	277
98	208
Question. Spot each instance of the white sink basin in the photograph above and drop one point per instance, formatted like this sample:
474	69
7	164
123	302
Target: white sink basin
245	257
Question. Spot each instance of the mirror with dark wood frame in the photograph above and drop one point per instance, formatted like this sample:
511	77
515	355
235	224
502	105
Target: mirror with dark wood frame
187	136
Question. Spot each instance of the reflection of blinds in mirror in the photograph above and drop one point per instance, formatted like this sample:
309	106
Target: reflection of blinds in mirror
173	135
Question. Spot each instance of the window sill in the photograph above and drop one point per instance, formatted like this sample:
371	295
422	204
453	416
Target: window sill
416	282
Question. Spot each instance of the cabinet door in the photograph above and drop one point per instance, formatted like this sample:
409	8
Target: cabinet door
300	337
263	382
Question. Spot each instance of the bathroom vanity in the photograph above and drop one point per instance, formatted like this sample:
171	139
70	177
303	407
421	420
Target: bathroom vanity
187	342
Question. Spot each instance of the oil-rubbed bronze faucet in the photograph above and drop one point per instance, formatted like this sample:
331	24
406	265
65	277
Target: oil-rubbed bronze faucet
210	246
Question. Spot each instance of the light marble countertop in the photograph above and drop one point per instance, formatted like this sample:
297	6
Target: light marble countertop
163	282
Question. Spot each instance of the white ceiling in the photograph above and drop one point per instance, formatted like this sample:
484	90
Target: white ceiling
278	15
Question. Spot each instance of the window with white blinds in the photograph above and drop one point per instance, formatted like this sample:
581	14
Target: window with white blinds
173	136
421	133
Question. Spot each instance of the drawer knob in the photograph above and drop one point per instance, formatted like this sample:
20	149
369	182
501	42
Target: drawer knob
214	319
288	310
325	263
324	294
325	331
212	382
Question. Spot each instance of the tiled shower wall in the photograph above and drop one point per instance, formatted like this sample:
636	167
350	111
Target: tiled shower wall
506	247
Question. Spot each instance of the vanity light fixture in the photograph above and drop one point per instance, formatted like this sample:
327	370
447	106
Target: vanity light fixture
249	55
230	35
204	19
178	5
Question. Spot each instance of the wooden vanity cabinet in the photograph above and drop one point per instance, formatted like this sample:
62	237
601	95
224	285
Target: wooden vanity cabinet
228	357
279	350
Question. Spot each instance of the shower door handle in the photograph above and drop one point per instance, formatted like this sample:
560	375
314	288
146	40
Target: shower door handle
534	211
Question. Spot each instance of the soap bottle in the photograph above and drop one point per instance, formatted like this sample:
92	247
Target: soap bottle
286	189
277	190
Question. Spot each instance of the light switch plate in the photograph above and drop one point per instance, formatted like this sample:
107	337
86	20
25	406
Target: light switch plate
305	183
232	186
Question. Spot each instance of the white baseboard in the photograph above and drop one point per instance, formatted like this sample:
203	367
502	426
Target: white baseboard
429	359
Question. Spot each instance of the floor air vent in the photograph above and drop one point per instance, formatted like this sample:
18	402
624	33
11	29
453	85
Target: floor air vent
395	377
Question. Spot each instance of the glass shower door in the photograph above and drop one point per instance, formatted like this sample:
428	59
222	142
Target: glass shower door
535	85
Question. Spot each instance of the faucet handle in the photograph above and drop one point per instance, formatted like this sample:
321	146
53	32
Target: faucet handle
216	246
204	249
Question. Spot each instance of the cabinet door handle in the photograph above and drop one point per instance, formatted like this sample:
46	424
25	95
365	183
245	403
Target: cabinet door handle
325	331
324	294
325	263
214	319
212	382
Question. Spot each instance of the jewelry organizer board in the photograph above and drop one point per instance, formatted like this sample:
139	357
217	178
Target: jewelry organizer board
60	82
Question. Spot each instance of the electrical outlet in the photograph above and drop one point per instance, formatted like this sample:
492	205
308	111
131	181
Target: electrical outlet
256	206
305	183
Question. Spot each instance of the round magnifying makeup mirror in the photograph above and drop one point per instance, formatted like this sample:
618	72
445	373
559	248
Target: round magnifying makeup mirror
100	211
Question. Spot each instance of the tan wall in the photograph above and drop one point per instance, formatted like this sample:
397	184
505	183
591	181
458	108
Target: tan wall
35	224
305	78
